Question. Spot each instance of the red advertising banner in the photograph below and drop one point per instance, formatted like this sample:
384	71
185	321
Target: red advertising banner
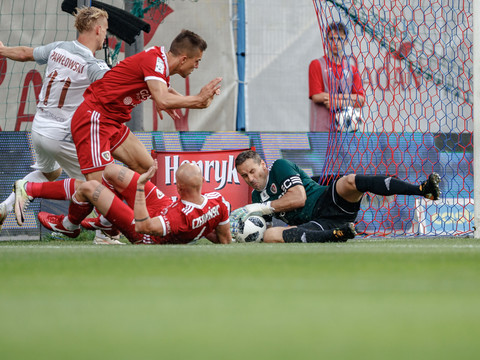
218	168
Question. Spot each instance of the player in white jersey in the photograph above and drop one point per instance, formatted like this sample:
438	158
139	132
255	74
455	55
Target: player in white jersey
71	68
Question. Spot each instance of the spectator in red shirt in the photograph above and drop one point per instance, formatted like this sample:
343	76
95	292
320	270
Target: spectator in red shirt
334	84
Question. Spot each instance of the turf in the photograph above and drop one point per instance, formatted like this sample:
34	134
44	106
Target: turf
365	299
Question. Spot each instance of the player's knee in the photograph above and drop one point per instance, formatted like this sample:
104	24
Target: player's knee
143	166
347	183
110	172
273	235
351	181
78	183
146	165
87	188
97	175
54	175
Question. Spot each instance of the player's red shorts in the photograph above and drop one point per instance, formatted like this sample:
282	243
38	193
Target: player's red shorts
96	136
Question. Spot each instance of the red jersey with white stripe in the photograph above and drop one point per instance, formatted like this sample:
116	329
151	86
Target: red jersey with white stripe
184	221
126	84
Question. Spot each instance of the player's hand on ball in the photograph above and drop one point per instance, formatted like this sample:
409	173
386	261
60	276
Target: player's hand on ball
251	209
235	226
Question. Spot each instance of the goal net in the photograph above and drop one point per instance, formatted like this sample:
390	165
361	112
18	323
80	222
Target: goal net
415	61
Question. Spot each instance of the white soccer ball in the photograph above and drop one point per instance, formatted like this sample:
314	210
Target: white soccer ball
252	230
349	119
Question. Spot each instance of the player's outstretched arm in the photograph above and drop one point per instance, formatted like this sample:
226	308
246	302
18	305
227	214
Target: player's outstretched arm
165	99
17	53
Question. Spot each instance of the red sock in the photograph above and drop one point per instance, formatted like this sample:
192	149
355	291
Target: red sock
121	216
56	190
129	192
77	211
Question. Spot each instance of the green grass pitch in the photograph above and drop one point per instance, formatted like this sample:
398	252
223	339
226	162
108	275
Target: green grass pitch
365	299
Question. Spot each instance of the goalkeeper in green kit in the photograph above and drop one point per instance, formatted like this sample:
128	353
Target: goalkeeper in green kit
314	212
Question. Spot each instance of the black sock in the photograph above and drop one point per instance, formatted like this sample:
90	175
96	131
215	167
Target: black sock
310	236
383	185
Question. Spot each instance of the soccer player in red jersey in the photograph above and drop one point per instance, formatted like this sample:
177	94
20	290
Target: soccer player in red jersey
151	217
98	128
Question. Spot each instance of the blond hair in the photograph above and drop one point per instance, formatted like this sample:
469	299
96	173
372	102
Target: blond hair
87	17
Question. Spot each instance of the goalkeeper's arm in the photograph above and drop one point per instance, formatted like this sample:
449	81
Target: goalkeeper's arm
294	198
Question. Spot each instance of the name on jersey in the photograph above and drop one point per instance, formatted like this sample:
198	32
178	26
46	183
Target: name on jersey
210	214
67	62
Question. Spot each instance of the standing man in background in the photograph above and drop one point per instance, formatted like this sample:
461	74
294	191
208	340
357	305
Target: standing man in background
333	83
71	68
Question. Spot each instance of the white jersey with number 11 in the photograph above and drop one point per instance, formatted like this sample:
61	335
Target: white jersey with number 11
71	68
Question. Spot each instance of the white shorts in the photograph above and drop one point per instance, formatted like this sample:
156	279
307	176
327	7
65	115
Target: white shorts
53	154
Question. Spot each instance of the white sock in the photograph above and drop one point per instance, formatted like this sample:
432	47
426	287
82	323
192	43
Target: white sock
104	221
9	201
68	225
34	176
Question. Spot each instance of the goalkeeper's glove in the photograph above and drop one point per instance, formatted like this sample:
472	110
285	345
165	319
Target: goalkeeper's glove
236	225
238	216
259	209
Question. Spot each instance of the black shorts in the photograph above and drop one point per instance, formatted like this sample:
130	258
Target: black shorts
331	212
331	208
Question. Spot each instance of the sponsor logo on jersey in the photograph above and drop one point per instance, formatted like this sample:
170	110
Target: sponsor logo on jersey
273	188
143	95
106	155
128	100
160	66
210	214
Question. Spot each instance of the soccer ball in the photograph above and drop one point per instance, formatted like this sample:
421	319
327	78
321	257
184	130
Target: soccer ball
349	119
252	230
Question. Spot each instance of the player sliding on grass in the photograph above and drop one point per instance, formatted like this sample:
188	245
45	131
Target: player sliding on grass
150	217
317	213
